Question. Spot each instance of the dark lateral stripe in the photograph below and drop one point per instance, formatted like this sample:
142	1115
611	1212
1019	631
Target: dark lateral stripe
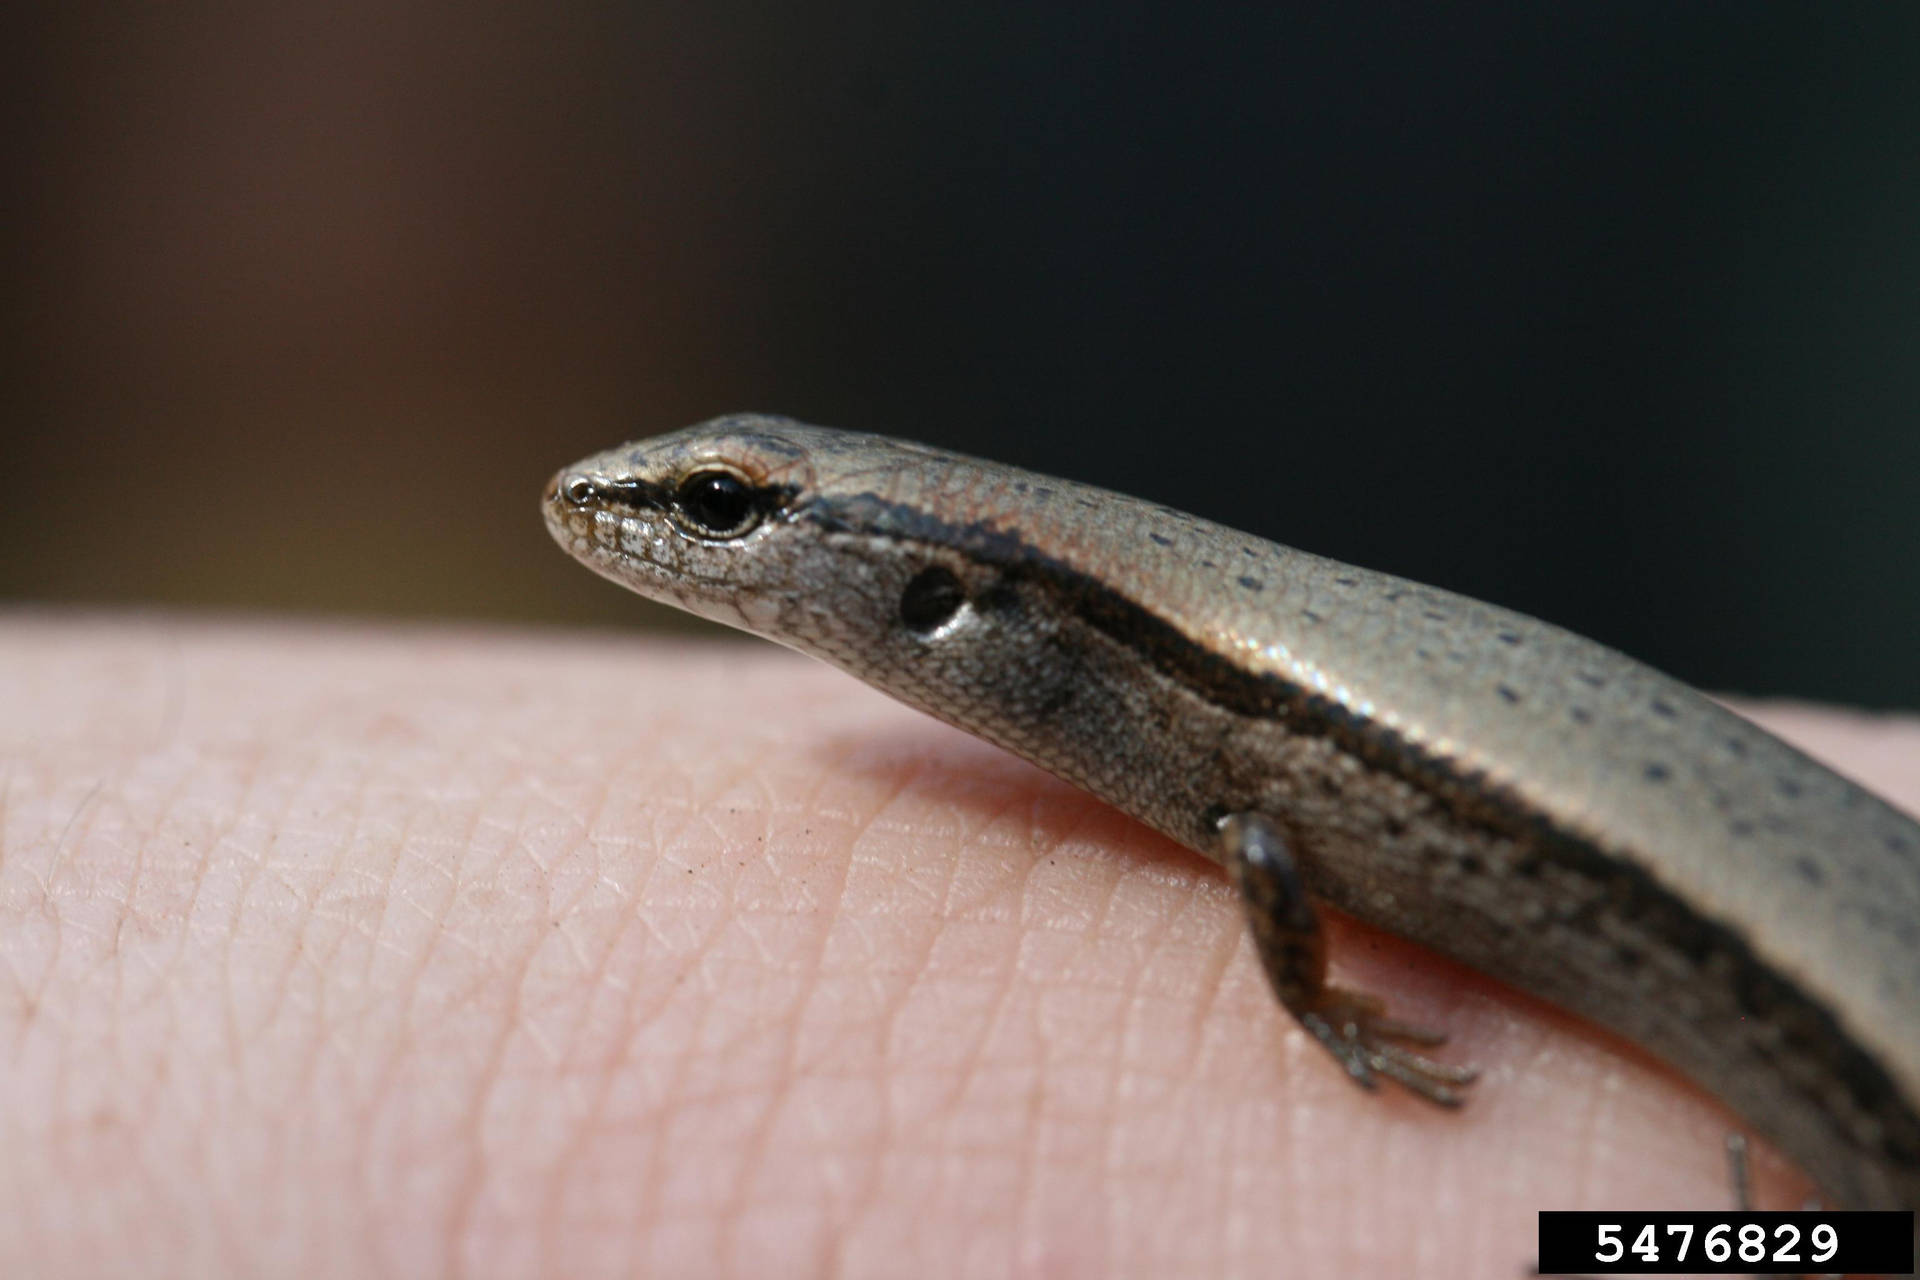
633	494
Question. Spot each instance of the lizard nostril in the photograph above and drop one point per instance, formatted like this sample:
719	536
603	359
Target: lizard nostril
578	490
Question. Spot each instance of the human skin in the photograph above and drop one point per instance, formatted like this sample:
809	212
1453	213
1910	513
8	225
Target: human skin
403	952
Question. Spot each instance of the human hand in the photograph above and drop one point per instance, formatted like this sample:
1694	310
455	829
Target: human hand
360	951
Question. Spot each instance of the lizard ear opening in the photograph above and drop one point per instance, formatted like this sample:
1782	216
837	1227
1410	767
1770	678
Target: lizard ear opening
931	600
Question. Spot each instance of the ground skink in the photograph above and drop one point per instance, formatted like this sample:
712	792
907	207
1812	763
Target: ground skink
1532	803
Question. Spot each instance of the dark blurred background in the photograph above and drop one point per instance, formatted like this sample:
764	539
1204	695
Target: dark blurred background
1607	312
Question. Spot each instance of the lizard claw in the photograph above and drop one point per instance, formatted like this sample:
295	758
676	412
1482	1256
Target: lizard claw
1354	1028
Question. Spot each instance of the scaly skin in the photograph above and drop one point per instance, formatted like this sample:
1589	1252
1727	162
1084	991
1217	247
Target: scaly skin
1525	800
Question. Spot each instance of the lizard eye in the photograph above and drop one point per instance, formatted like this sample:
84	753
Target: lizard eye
717	504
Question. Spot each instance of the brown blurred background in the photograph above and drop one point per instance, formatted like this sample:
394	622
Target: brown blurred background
1607	312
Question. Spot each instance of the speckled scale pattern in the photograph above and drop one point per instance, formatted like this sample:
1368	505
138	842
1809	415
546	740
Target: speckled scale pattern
1533	803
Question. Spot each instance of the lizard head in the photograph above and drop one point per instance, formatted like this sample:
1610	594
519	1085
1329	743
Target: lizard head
806	535
697	518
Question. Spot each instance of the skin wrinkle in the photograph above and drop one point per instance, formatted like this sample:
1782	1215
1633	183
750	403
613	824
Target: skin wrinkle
1028	1156
1044	1133
1043	847
772	1098
297	959
815	780
972	1070
361	1164
256	865
513	1027
593	979
553	910
946	905
632	1020
471	1183
112	942
1133	999
891	992
68	831
697	812
551	1218
947	1110
1234	1207
863	1202
408	1014
901	782
145	1106
1110	884
1222	956
829	906
327	910
838	1205
981	833
652	1185
323	1025
1114	885
969	1066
